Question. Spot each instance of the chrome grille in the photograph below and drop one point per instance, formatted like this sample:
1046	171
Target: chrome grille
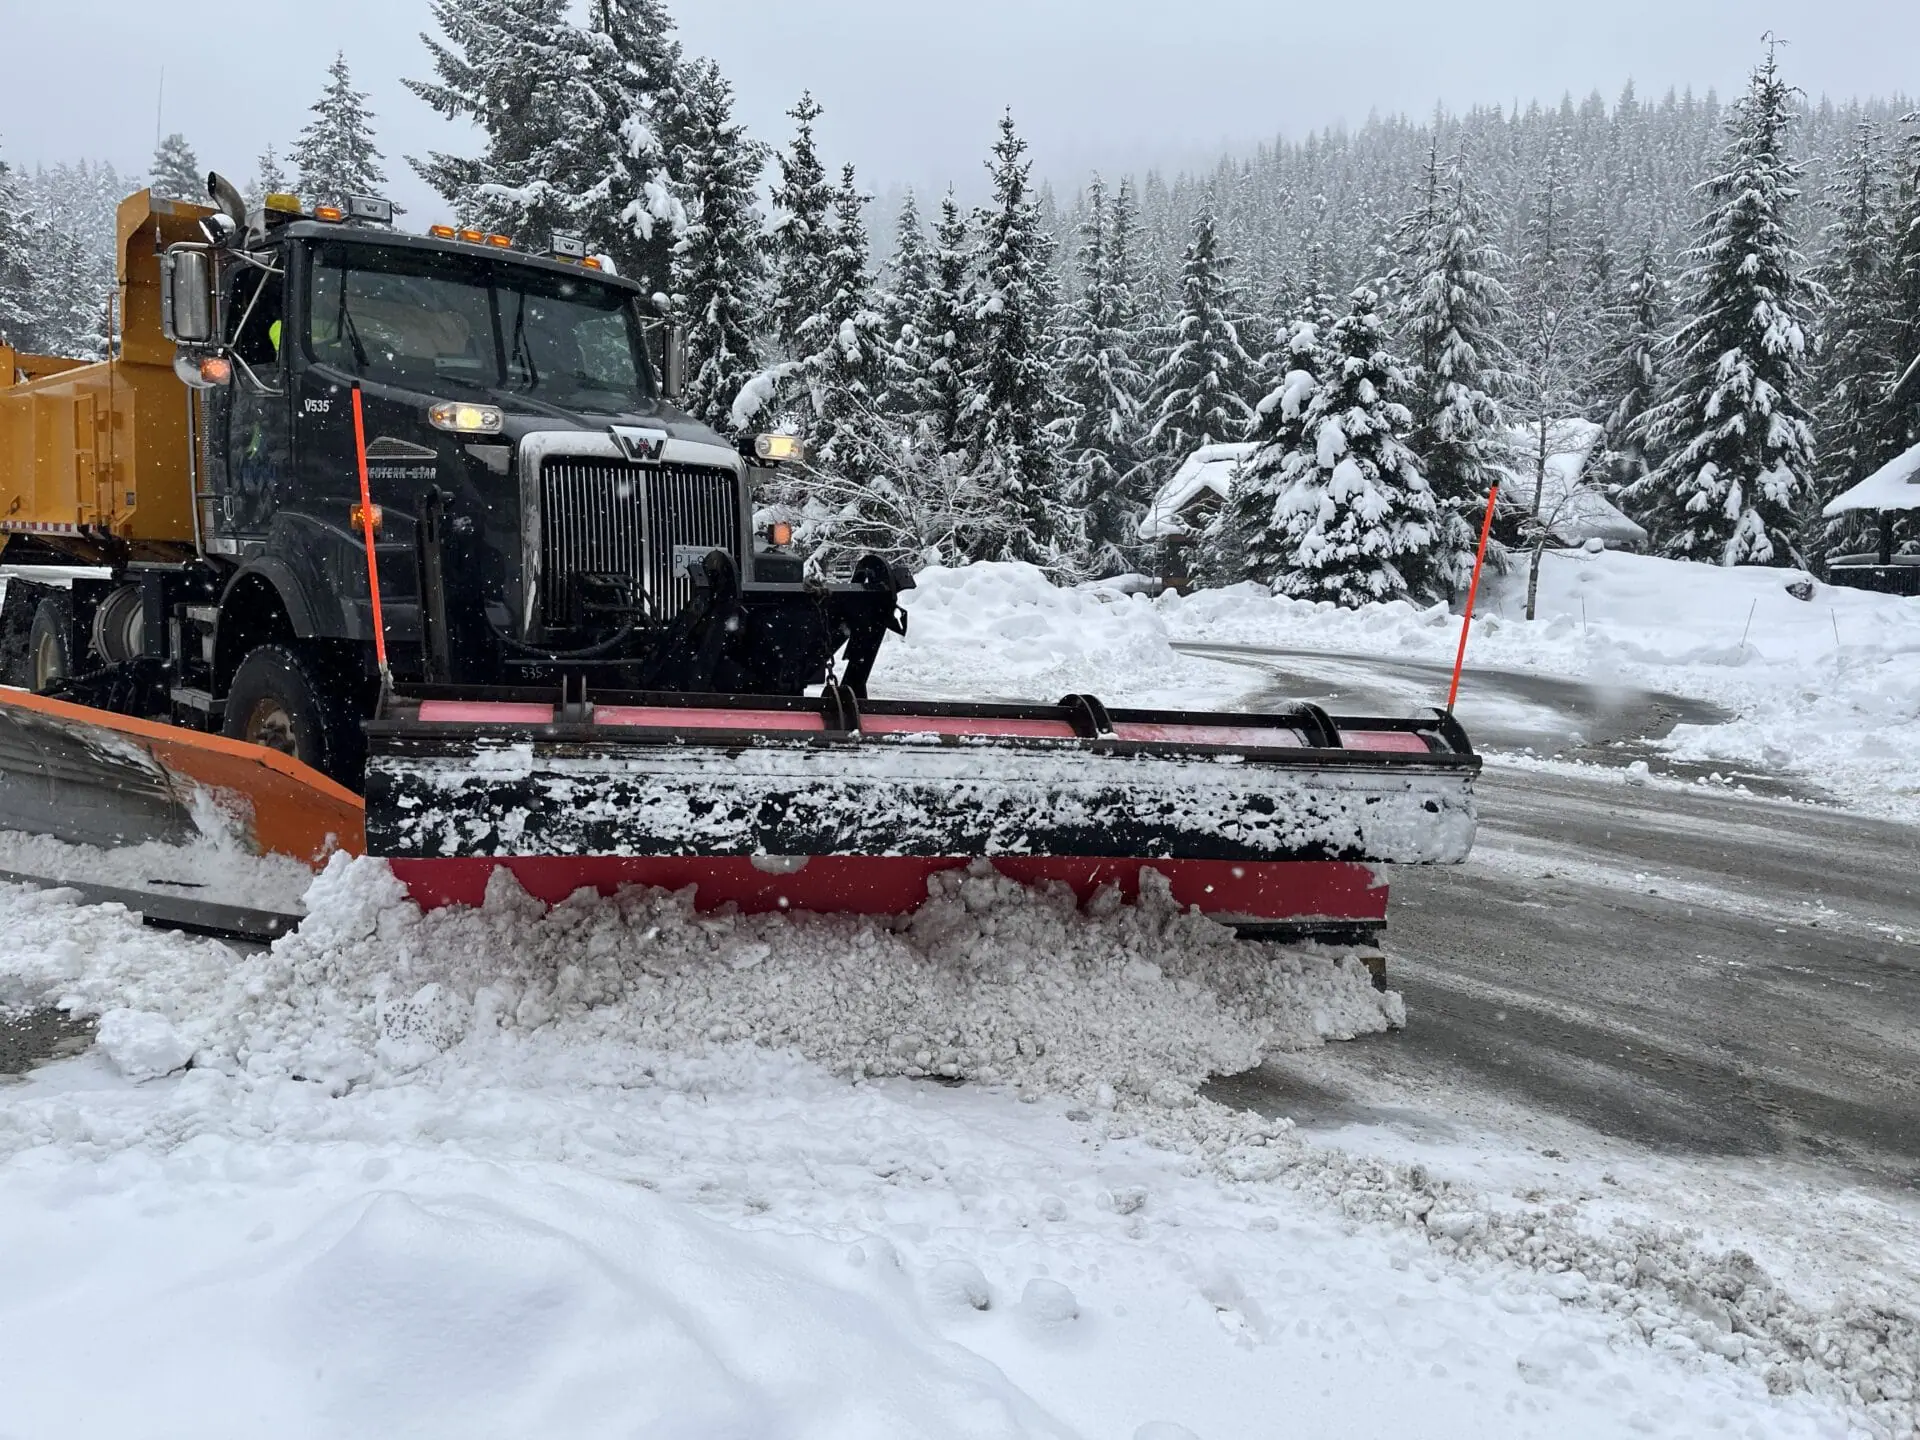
687	506
602	517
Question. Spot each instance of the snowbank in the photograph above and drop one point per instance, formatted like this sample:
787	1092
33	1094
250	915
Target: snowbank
1004	631
1828	686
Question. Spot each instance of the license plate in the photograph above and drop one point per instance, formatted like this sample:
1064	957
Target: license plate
687	556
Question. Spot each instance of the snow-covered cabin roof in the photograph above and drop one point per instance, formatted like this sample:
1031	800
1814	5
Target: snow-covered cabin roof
1575	512
1210	468
1894	486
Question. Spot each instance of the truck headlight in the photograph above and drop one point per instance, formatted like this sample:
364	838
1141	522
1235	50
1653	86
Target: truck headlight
465	419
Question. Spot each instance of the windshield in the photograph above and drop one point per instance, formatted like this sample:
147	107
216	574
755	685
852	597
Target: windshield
431	321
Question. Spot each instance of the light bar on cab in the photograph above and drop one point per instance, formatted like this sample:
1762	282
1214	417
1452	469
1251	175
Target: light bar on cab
370	208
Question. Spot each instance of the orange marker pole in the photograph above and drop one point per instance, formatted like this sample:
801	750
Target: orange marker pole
1466	621
366	532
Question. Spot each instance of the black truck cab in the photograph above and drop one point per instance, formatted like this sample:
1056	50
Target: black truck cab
540	514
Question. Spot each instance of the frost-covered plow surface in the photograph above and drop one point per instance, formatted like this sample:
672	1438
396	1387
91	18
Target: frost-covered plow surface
620	1168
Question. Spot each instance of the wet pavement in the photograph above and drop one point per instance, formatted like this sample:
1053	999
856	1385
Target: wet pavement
33	1037
1686	969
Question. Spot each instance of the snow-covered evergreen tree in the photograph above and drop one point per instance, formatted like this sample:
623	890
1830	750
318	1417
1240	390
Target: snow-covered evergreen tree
1451	311
802	238
269	178
1017	398
1250	538
901	305
932	369
1599	279
944	390
626	200
335	153
1859	356
1906	263
55	274
573	120
69	289
1630	366
1359	517
516	69
862	488
175	174
719	268
1101	433
1737	443
18	301
847	373
1906	267
1203	386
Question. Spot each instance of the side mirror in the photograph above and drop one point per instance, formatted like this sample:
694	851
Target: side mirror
676	362
186	296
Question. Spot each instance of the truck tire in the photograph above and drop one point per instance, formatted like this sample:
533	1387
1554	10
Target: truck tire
48	657
23	598
291	701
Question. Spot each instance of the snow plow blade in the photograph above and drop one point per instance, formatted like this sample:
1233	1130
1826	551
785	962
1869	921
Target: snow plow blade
1270	822
92	777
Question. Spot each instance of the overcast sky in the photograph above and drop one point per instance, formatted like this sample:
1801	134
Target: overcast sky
912	88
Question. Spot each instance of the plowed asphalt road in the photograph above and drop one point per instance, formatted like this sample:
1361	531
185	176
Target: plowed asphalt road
1697	971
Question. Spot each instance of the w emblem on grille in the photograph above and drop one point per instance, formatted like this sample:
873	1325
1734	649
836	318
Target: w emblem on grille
642	447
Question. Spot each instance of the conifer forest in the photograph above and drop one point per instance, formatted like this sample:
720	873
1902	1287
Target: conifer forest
1392	317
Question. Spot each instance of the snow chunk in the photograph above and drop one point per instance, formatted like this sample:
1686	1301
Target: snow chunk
142	1045
957	1285
1048	1303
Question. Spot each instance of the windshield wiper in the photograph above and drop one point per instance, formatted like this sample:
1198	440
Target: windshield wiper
345	326
520	355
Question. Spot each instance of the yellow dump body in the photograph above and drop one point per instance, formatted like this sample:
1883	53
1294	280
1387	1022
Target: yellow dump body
95	457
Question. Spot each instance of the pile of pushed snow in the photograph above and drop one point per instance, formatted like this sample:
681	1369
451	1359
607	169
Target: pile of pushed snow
989	980
1003	630
1827	685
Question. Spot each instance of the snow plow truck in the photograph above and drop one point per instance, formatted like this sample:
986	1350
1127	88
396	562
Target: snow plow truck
397	542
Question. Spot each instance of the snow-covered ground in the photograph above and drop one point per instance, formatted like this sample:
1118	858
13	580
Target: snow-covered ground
623	1169
610	1171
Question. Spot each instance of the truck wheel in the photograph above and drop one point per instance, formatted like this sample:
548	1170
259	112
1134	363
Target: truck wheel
291	702
47	658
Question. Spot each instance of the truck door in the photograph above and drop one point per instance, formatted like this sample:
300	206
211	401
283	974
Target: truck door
250	420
